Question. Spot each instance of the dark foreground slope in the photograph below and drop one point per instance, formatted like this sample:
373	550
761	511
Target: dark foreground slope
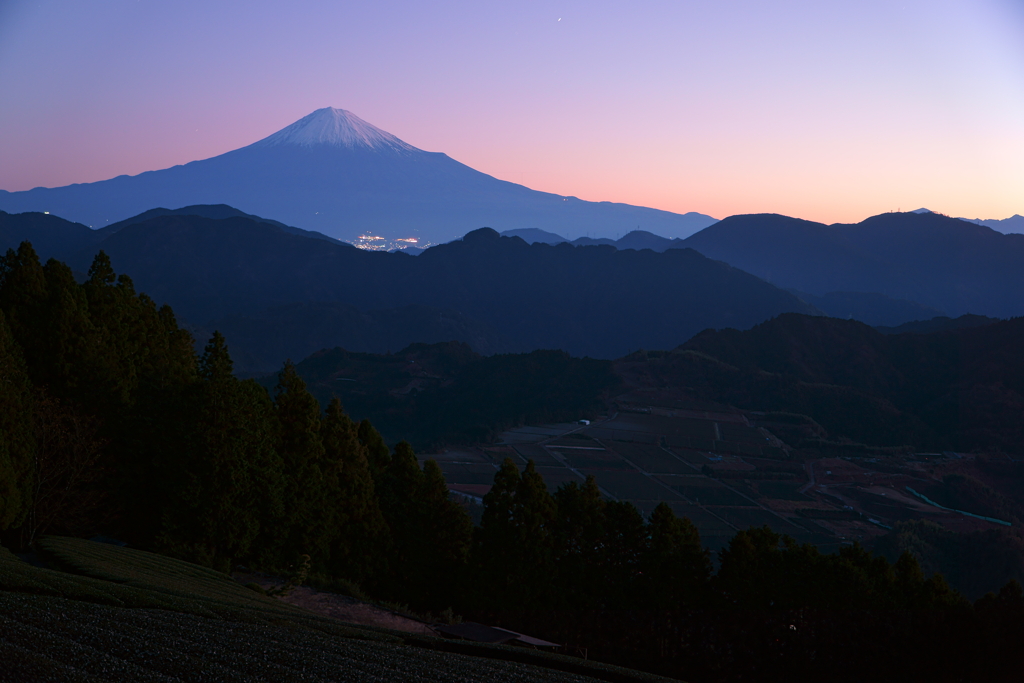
131	615
944	263
594	301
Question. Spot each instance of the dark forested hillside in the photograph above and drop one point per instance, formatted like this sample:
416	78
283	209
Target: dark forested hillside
432	394
594	301
960	389
51	236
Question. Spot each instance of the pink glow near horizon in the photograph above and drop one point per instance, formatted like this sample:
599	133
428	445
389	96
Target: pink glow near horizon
824	111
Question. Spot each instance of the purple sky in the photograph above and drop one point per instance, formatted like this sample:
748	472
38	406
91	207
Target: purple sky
829	111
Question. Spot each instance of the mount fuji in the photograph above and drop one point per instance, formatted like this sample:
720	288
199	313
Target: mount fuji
334	173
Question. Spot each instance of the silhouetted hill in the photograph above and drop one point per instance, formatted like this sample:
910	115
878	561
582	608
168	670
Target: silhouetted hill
531	235
261	341
940	262
938	324
959	389
207	269
594	301
50	235
1014	223
869	307
217	211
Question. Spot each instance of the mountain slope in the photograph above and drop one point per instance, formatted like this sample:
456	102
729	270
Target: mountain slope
50	235
958	389
940	262
1014	223
333	173
595	301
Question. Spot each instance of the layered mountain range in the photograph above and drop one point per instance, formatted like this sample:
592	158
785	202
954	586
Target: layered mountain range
279	293
885	270
334	173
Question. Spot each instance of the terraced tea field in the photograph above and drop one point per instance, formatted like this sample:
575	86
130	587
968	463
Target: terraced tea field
127	615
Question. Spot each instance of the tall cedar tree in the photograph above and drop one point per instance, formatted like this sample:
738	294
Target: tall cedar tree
579	534
515	545
360	539
17	442
303	528
377	453
228	482
675	568
494	548
431	534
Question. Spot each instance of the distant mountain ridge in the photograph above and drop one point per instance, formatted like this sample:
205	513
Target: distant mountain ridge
281	290
333	173
1013	224
943	263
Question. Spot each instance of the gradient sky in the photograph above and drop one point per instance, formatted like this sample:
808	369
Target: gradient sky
827	110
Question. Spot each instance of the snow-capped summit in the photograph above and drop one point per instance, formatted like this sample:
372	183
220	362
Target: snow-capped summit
336	127
332	172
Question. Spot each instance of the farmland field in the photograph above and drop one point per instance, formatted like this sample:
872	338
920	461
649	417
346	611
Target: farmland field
781	490
631	485
703	490
746	517
538	454
556	476
652	459
596	460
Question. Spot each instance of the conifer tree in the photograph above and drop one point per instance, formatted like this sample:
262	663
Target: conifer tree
23	301
675	567
534	513
377	453
515	543
399	495
430	534
304	527
494	547
448	532
359	536
228	481
579	539
17	443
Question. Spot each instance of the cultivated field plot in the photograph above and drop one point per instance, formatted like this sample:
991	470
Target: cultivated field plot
538	454
746	517
554	477
533	434
741	434
781	490
696	458
703	490
665	426
575	440
880	507
651	459
631	485
596	460
623	435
